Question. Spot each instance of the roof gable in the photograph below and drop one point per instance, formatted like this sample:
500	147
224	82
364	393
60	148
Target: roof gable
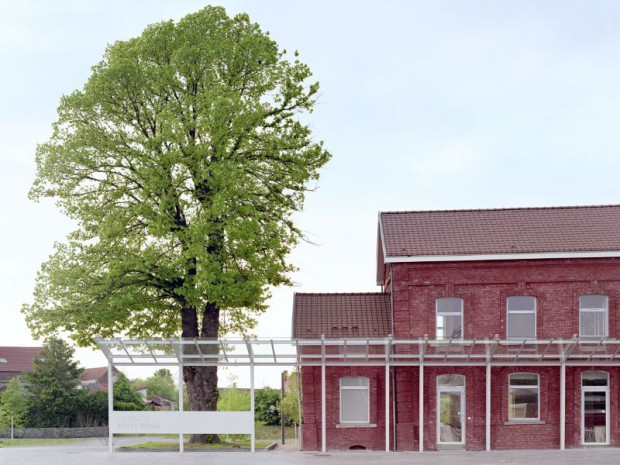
341	315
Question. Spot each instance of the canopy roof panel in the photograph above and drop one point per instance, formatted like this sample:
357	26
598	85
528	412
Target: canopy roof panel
358	351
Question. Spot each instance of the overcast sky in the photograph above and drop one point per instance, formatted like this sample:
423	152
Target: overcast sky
424	105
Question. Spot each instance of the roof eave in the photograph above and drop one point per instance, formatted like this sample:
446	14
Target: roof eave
495	257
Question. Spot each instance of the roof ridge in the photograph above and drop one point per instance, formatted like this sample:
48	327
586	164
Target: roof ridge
560	207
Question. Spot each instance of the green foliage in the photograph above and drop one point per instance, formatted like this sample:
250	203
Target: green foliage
231	399
92	408
13	405
182	160
161	384
290	405
266	406
125	396
52	386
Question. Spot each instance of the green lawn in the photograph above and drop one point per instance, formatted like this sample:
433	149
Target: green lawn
187	445
39	442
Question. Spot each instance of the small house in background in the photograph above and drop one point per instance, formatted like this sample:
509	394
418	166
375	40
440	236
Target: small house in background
14	361
500	330
96	379
160	403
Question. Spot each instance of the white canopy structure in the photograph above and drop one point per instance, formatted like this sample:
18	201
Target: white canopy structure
332	352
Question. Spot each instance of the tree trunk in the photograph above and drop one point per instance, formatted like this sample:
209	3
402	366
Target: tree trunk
201	382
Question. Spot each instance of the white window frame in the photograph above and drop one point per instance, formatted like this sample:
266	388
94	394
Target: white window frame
521	386
351	388
594	310
521	312
604	389
445	313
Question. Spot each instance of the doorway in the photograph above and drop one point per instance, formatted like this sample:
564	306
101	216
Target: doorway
451	409
595	408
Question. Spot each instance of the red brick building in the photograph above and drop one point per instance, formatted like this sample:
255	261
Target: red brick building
494	329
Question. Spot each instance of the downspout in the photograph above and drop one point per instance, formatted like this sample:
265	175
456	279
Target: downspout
394	403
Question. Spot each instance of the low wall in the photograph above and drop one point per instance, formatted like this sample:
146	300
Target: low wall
43	433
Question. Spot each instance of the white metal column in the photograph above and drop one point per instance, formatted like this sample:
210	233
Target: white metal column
110	407
487	423
562	405
387	396
253	439
421	408
181	406
323	400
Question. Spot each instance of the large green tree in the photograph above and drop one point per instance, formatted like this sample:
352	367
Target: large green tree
52	386
182	160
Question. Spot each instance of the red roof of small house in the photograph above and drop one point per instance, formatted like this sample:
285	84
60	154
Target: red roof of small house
500	231
18	359
341	315
93	374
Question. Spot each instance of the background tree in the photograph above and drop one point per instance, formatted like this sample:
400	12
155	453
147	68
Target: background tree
125	396
91	408
289	406
52	386
267	406
161	384
13	405
232	399
182	161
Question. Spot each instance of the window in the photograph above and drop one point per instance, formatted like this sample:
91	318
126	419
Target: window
354	400
523	396
521	319
449	318
593	316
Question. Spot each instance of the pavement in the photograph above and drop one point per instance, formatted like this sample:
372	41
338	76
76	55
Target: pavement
95	452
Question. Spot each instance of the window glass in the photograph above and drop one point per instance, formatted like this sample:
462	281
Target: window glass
449	318
354	400
594	378
451	380
523	395
593	316
521	319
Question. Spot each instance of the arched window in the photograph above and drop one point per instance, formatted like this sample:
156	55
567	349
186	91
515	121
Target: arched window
521	317
449	318
523	396
354	400
593	316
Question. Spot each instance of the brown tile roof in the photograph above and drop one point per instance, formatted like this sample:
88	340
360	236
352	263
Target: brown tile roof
93	374
502	231
18	359
341	315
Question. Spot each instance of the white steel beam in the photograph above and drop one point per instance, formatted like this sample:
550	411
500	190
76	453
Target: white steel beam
387	395
181	406
562	406
323	400
487	422
110	407
421	407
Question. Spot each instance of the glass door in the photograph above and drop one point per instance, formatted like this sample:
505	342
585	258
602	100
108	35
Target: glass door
450	409
595	408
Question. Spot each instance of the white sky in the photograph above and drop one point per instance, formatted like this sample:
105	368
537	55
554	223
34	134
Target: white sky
424	105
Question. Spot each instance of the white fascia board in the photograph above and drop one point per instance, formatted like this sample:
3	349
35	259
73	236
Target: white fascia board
511	256
381	243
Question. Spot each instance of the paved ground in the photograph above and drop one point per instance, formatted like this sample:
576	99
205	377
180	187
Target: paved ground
94	452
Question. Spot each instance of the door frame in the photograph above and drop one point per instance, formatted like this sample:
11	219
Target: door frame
606	390
451	389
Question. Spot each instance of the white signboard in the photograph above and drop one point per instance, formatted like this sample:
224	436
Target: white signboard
182	423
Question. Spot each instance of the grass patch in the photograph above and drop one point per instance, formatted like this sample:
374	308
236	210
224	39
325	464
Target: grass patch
39	442
187	445
273	432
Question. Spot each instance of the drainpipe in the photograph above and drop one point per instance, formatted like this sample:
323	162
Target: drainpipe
394	404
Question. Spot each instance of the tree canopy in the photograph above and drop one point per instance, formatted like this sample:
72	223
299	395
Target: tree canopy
182	161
